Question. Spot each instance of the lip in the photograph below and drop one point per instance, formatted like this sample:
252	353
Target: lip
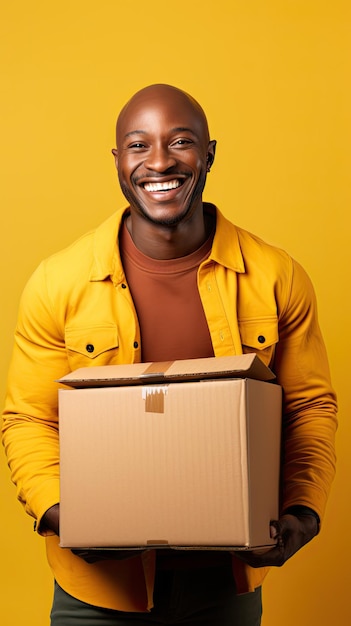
160	179
158	194
163	196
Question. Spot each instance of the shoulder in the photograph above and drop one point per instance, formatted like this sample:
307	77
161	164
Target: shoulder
70	270
254	251
77	260
264	261
266	273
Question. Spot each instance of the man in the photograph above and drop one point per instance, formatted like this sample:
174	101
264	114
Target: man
168	278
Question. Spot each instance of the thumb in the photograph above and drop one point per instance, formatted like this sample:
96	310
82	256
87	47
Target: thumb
275	529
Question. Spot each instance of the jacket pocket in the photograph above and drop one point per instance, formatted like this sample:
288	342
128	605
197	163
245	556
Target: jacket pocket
260	335
91	343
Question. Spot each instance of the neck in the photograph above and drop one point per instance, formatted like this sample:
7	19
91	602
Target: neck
169	242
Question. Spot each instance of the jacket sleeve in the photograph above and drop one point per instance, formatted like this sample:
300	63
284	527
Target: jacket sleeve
309	420
30	419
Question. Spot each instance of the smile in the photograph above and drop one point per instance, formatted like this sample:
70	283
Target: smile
166	186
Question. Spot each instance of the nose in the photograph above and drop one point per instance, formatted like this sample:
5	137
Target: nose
159	159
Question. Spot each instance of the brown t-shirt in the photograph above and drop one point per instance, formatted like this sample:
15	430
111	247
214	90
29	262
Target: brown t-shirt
169	309
173	326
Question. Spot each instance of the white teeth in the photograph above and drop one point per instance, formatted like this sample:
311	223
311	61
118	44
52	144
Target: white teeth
170	184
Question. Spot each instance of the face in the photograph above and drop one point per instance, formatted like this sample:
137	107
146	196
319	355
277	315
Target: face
163	155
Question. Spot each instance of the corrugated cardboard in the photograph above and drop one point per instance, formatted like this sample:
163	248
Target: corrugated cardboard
241	366
179	464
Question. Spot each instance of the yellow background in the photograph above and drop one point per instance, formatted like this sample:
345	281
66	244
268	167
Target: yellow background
274	79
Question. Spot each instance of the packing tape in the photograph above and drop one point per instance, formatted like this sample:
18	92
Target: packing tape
158	367
154	397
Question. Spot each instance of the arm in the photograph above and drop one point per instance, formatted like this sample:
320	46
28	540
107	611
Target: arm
30	430
309	420
309	424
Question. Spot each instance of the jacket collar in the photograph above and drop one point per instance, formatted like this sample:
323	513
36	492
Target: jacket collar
106	258
226	246
107	261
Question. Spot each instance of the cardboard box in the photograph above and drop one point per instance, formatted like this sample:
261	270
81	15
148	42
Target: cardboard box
182	455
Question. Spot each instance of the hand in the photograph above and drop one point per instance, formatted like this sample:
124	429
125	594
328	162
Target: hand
291	532
50	521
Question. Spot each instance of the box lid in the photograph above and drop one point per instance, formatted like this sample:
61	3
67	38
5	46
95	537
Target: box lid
240	366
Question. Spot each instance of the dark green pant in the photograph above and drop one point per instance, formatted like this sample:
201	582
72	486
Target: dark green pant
202	597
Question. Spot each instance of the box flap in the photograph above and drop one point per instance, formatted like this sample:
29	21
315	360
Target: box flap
241	366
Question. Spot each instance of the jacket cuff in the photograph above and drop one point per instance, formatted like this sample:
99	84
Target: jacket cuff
299	509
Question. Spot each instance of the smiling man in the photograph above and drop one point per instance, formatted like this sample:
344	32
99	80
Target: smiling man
163	155
168	277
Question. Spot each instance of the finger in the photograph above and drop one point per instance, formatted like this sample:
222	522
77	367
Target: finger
275	529
272	557
282	528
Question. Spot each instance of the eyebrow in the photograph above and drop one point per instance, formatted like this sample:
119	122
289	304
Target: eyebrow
177	129
135	132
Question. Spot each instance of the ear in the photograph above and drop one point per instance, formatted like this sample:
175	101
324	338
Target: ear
211	151
115	154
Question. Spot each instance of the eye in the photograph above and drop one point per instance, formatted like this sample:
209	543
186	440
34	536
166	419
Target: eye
182	142
137	145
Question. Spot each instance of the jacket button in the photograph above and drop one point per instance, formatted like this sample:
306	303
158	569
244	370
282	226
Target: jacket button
124	286
261	339
89	347
135	344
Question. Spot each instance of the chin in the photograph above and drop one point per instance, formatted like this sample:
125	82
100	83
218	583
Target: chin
166	217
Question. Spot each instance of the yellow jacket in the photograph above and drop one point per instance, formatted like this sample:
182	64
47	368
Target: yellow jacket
256	299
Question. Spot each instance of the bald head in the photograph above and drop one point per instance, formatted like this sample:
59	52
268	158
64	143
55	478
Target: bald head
160	97
163	157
